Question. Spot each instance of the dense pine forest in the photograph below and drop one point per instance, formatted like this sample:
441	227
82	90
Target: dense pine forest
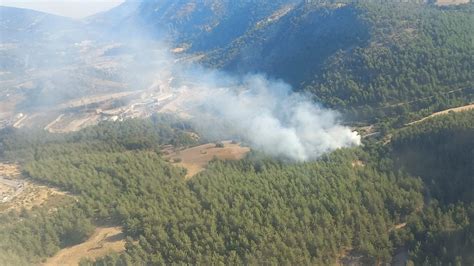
418	57
255	211
367	59
441	152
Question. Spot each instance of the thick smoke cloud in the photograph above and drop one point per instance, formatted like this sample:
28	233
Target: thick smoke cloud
263	112
268	115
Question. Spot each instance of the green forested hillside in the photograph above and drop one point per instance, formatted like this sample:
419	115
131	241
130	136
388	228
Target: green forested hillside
364	58
418	57
441	151
236	213
365	201
295	46
195	25
368	59
241	212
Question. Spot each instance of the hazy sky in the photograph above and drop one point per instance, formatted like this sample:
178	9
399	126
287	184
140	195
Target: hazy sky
67	8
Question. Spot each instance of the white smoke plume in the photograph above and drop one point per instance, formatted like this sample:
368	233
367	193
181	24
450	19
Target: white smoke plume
268	115
260	111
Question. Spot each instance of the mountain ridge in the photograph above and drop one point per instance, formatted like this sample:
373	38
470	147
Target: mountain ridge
359	57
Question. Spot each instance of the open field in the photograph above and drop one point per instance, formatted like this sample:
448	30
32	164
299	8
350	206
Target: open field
17	193
196	159
103	241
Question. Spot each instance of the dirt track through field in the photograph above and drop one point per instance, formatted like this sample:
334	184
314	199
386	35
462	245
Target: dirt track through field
103	241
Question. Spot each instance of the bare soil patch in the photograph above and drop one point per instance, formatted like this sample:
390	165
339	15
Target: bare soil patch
398	227
102	242
196	159
72	122
96	99
17	193
357	163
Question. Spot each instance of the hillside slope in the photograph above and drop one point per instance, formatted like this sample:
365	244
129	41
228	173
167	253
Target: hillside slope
440	150
366	59
18	24
419	57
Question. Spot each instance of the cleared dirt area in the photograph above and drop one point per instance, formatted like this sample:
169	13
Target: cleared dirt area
34	195
398	226
95	99
451	2
357	163
71	123
196	159
16	193
456	109
103	241
9	169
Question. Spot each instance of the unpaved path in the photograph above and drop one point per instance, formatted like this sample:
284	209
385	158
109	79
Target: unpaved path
103	241
94	99
456	109
451	2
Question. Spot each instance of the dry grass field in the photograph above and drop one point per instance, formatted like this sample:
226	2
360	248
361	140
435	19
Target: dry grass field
17	193
196	159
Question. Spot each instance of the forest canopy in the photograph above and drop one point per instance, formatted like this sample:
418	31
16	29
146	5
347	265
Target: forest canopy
257	210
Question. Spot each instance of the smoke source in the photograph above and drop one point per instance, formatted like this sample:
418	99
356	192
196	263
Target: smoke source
268	115
263	112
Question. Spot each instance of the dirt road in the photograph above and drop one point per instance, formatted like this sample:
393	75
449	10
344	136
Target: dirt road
103	241
456	109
